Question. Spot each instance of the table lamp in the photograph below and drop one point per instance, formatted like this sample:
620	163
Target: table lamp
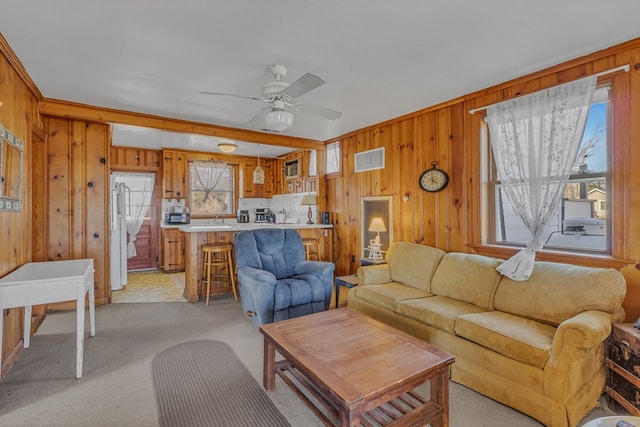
375	246
309	200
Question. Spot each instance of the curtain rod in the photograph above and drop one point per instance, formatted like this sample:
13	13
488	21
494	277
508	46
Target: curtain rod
602	73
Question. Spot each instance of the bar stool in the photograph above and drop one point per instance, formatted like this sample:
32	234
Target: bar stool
218	256
311	247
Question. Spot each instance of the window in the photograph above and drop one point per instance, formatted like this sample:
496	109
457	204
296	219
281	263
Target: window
211	188
333	157
582	223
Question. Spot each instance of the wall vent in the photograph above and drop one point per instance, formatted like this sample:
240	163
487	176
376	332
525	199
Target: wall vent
369	160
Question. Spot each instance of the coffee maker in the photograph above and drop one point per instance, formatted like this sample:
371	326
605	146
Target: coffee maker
261	215
243	215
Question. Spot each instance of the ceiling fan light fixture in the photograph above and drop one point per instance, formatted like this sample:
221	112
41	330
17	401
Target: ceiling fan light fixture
278	120
227	147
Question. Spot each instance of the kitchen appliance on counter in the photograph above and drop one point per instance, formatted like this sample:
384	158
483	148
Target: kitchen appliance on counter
177	218
243	215
262	215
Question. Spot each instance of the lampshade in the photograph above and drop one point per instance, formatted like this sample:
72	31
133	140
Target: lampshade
308	199
278	120
258	175
227	147
377	225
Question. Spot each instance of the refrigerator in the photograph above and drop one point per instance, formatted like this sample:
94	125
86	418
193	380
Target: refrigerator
118	233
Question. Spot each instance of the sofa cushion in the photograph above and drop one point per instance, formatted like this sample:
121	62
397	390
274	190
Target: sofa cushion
437	311
388	294
556	292
521	339
413	264
467	277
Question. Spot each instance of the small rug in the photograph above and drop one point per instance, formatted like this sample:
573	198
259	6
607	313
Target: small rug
203	383
149	286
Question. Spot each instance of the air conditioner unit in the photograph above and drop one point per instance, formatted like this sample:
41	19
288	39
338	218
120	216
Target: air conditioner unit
369	160
292	168
588	226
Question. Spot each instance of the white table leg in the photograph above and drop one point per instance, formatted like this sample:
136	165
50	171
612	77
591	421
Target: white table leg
92	310
80	336
27	326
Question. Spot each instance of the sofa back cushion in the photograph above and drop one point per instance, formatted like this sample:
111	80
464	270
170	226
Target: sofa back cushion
413	264
467	277
556	292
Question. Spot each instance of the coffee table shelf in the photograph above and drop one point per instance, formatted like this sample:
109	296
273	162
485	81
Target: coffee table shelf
409	407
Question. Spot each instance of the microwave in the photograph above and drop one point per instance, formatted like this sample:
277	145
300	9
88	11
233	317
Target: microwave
177	218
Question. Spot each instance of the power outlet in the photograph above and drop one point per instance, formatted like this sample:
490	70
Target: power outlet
353	258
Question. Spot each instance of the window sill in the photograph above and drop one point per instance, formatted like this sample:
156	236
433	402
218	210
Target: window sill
587	260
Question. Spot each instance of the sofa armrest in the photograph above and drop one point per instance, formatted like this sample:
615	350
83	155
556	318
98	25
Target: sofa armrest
374	274
582	331
577	350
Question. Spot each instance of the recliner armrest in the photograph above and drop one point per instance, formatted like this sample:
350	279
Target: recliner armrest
255	274
319	268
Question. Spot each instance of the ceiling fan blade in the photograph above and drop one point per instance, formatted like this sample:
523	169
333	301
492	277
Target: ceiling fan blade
319	111
303	85
204	92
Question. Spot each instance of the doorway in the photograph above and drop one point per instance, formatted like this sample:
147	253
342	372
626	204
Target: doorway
141	219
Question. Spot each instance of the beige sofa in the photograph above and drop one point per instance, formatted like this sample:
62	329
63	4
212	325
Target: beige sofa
537	346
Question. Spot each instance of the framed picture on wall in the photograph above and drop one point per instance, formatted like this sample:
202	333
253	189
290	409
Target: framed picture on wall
377	225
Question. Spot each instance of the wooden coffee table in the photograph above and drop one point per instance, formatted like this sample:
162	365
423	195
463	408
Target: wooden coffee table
351	370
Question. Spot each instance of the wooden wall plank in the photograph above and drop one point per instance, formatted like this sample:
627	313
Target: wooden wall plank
447	133
19	114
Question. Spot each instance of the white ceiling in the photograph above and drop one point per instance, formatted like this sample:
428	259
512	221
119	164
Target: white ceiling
381	59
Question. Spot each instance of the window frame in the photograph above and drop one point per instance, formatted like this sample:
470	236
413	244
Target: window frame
618	203
338	172
235	180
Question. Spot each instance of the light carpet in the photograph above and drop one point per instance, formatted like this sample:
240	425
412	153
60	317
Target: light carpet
117	387
203	383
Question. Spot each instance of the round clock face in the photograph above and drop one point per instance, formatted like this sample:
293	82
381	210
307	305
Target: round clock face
434	180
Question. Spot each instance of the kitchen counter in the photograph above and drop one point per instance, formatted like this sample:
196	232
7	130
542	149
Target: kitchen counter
233	226
202	231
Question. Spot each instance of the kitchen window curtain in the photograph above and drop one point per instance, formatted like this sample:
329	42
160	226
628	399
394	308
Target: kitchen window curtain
535	141
140	189
208	174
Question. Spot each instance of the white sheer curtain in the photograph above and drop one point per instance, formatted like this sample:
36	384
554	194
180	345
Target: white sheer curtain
138	200
208	174
535	141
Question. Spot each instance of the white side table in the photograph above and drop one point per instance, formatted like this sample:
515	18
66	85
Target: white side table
49	282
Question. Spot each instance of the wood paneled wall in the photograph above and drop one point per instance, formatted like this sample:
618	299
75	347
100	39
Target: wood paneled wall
72	173
19	114
448	134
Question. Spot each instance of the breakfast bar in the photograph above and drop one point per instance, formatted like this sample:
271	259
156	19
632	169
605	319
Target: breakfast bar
197	234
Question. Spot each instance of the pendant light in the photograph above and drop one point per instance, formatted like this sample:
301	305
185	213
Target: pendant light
258	173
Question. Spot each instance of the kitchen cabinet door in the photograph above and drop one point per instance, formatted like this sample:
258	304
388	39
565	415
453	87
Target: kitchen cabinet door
172	250
174	175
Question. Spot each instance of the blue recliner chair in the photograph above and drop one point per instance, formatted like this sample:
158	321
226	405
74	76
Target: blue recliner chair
276	282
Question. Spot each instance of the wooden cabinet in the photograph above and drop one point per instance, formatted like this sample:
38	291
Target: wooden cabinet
172	250
293	174
257	190
623	361
174	175
126	158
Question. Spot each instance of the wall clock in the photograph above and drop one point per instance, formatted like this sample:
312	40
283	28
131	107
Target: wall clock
434	179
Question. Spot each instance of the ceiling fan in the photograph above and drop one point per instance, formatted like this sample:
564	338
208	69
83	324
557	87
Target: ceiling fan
281	97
